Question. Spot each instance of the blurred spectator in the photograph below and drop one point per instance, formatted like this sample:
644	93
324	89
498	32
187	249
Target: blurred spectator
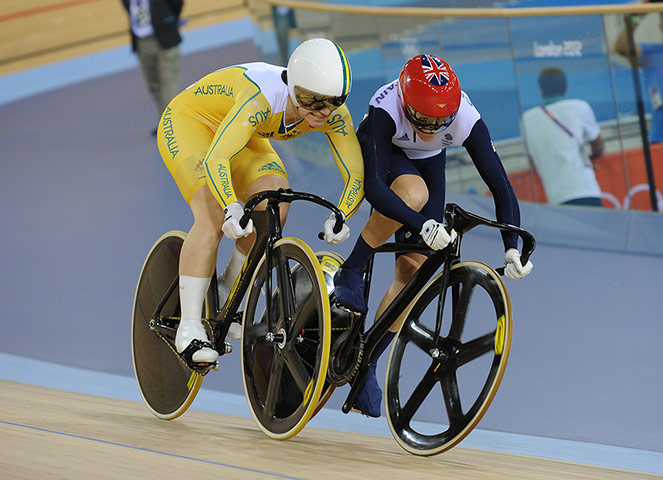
155	38
555	134
284	20
649	57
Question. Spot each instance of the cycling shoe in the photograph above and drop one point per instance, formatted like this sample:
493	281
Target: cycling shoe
349	289
370	396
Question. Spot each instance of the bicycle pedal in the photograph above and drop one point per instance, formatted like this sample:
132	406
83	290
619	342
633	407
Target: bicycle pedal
204	369
356	410
347	310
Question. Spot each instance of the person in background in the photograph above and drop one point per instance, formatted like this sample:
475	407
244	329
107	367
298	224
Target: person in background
410	123
649	57
555	135
214	137
284	21
155	38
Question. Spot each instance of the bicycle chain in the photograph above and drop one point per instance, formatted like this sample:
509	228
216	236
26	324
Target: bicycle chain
344	377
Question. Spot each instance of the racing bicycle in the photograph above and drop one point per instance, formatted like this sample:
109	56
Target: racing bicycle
449	355
297	346
286	323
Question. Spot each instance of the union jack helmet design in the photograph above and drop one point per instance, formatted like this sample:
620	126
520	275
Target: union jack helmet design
435	70
428	85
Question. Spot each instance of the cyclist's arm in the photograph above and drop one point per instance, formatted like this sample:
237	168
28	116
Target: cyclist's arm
376	141
347	154
480	147
231	137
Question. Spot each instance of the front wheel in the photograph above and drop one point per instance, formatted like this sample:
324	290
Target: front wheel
462	368
285	344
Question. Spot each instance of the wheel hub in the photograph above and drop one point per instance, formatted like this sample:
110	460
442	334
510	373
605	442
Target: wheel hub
279	338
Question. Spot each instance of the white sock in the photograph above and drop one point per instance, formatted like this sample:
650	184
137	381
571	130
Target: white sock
192	297
226	282
233	268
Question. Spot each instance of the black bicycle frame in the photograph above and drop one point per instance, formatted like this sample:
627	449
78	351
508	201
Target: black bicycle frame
268	231
462	222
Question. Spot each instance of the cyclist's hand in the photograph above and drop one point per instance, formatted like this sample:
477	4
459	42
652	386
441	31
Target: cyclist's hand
231	228
335	238
514	269
435	234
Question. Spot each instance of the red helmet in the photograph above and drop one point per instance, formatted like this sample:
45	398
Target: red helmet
430	93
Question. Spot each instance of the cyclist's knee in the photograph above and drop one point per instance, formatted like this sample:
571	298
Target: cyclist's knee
266	182
208	215
209	228
412	189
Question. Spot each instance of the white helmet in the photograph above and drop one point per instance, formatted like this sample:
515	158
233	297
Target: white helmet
319	66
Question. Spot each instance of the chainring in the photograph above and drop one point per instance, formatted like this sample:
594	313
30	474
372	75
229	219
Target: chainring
343	364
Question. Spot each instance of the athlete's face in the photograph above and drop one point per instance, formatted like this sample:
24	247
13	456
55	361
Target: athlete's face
426	137
315	118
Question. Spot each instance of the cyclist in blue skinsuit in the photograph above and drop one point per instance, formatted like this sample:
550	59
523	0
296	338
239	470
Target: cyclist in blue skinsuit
410	123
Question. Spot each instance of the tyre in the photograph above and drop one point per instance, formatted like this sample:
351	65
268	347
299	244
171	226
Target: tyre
285	354
168	386
340	319
434	398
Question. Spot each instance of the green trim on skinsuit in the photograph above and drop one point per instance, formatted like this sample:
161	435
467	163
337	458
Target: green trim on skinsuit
209	175
345	189
347	74
354	210
221	135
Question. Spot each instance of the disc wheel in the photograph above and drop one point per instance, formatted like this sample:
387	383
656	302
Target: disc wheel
431	411
168	386
285	354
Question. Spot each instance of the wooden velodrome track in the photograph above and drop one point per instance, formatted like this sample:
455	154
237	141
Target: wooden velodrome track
48	433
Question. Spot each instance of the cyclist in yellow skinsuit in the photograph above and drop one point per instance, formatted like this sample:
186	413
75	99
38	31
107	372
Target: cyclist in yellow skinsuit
215	140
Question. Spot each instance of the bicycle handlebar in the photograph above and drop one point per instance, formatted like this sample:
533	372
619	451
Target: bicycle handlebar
283	195
463	221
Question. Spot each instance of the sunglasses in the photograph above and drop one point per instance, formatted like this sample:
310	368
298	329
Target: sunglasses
426	124
314	101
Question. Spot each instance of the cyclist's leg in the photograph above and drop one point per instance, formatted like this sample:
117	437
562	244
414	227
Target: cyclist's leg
349	282
255	169
430	188
430	191
197	263
243	245
183	142
414	190
369	397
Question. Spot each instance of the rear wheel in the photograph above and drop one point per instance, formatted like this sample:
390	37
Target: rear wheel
285	354
168	386
431	411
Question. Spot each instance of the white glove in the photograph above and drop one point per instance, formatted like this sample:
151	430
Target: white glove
231	228
435	234
514	269
335	238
